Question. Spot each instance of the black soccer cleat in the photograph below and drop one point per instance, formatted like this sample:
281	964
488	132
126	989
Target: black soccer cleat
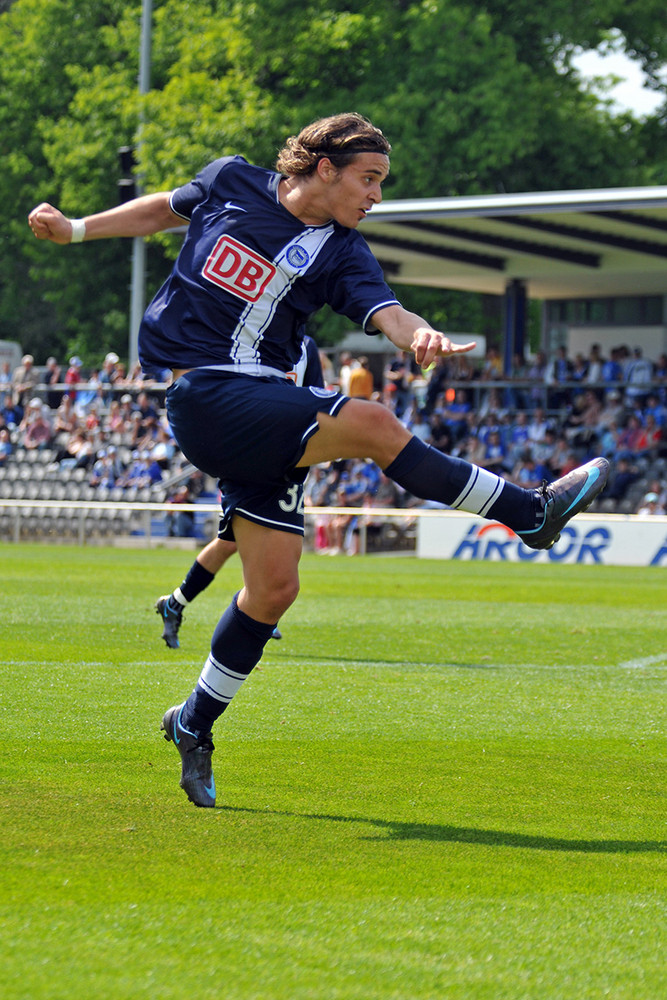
197	779
562	499
171	621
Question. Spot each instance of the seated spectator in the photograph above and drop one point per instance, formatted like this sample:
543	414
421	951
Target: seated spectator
538	426
78	452
456	413
6	447
103	472
5	377
113	419
35	428
650	506
623	475
628	439
561	461
494	456
65	421
526	473
656	409
517	437
143	472
164	448
11	412
441	435
650	439
613	410
419	425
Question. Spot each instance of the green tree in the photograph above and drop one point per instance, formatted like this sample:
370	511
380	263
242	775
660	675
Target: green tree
475	98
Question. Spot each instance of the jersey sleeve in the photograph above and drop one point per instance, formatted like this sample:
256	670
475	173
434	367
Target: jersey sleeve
357	288
184	200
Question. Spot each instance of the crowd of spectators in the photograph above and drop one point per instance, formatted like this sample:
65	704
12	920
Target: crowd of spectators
106	423
549	417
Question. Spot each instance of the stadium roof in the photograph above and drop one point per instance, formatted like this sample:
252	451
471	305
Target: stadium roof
561	244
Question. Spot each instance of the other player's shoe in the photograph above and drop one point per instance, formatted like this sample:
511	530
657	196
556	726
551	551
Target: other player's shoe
171	621
562	499
276	634
197	779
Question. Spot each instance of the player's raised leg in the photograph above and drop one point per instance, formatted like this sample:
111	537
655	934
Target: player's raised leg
368	430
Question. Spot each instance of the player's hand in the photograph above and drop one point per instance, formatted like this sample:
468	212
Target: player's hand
427	345
49	223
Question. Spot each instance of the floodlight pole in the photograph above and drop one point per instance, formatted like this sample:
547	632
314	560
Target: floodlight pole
138	281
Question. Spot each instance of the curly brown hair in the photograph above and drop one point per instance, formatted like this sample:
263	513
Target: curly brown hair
339	138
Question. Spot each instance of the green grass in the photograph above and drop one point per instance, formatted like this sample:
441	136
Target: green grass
445	783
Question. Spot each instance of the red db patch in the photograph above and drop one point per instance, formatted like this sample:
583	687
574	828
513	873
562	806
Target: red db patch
238	270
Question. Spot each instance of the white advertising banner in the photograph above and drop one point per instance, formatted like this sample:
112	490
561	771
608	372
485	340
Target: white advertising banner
610	540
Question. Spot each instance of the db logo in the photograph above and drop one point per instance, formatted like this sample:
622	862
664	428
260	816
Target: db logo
238	270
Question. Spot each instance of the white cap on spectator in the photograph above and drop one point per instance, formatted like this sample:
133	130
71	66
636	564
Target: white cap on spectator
75	362
27	359
112	358
36	401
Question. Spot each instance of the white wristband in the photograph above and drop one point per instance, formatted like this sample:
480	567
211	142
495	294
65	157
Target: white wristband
78	230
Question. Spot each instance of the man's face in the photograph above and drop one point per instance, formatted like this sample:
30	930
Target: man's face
357	187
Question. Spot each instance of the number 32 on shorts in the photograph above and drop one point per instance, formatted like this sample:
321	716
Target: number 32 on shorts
294	501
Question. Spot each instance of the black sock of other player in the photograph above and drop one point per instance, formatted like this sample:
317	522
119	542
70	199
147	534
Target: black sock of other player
197	579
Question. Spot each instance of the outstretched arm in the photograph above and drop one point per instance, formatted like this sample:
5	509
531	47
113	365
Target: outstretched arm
141	217
410	332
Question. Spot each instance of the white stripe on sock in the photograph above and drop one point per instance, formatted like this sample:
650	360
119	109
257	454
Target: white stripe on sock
178	596
480	492
219	681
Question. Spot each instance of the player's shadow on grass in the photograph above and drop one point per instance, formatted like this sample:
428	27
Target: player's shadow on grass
396	830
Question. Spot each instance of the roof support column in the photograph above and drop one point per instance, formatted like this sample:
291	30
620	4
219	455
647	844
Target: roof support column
515	323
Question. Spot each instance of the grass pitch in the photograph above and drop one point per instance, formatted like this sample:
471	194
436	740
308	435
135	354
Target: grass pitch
445	783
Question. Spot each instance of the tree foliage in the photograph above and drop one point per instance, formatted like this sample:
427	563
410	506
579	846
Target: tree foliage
475	98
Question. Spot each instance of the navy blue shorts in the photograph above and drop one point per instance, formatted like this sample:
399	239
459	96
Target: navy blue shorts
249	433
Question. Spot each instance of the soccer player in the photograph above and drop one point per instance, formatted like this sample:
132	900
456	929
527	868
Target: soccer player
264	250
211	559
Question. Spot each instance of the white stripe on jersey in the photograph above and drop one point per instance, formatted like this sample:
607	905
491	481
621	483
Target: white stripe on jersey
257	316
480	492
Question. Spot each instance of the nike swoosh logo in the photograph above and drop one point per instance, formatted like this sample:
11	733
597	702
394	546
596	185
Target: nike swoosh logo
178	723
210	789
231	205
591	477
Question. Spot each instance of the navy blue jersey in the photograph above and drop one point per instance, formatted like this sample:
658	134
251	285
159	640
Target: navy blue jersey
250	274
308	369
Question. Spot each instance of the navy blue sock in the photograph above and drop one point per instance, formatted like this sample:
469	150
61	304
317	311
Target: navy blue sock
432	475
236	648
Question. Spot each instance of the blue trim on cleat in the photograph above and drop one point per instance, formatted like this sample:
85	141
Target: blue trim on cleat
171	621
195	749
564	498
